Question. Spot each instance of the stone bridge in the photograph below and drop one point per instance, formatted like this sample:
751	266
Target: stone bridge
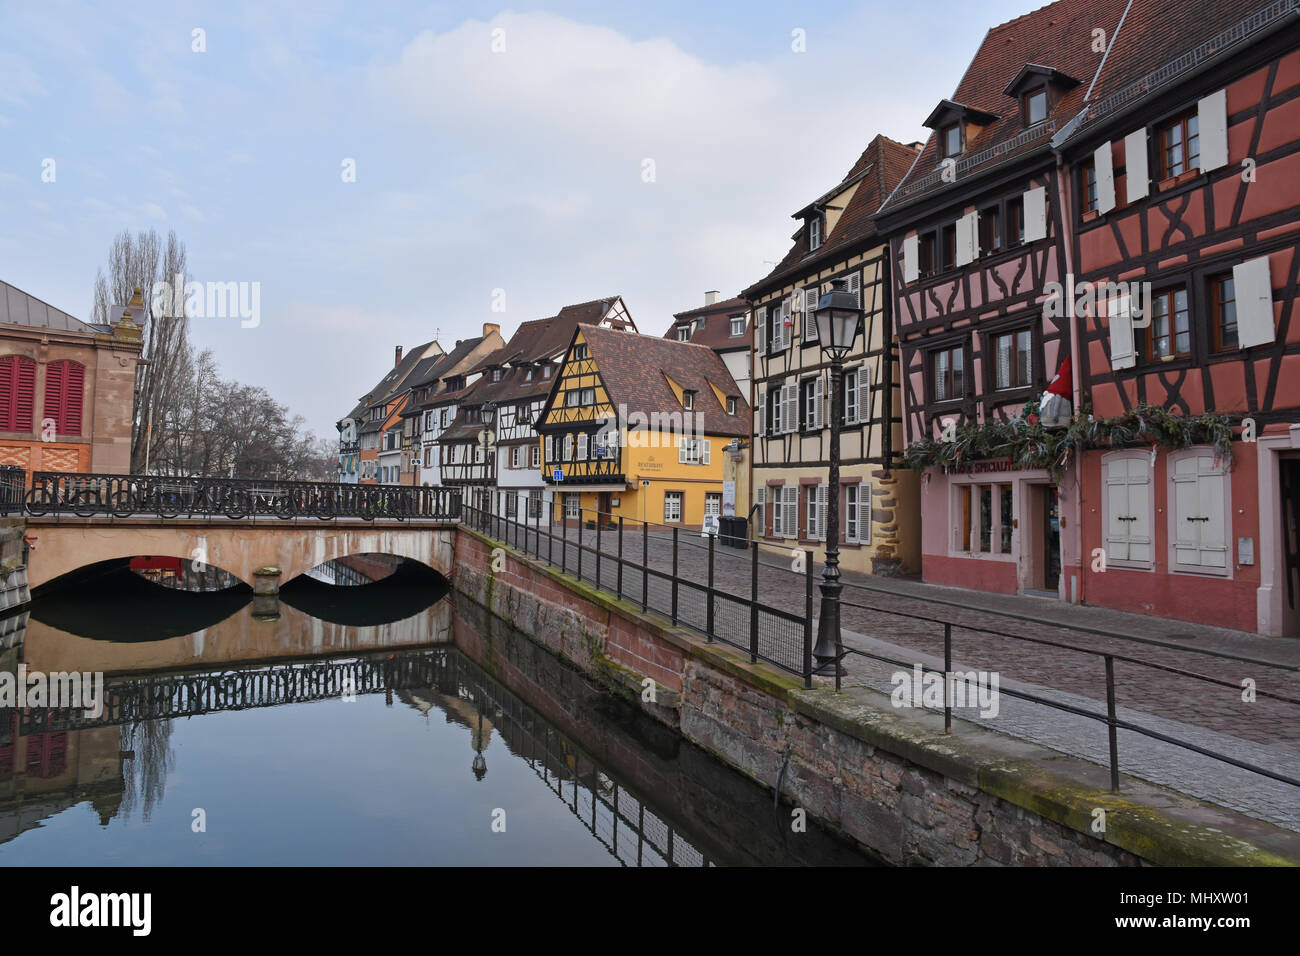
62	544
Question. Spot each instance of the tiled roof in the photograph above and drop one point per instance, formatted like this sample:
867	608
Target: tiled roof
538	339
716	333
880	167
1161	42
633	367
1058	36
393	379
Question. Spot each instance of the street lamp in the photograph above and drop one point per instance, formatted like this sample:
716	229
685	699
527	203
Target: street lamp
487	414
837	316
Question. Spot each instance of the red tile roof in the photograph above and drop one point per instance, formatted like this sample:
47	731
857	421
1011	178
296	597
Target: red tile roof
1058	36
633	368
880	167
716	332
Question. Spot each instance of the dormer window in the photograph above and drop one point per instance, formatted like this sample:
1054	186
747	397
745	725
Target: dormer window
950	141
528	374
580	351
814	232
688	400
1034	106
496	375
683	333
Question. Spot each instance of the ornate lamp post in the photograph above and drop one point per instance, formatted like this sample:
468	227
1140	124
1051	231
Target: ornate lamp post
487	414
837	317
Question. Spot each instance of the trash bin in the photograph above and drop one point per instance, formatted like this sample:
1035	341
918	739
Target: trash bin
732	531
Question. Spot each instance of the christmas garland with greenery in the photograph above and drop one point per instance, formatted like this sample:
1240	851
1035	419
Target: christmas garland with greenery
1029	445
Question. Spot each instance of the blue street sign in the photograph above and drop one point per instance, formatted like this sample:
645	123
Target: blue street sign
558	476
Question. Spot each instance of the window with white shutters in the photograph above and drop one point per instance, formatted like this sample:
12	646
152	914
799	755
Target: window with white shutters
1199	511
1127	509
851	397
810	297
760	499
582	447
706	452
568	448
550	449
760	329
514	457
857	513
535	457
813	511
790	507
789	408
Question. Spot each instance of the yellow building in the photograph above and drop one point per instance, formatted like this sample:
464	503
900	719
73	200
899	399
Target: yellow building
645	428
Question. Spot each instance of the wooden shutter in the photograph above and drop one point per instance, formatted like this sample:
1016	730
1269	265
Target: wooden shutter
790	411
17	393
1212	127
791	521
760	328
864	395
855	285
760	498
550	449
706	454
968	238
1105	171
821	512
1254	290
582	446
864	513
1137	178
819	403
761	411
1200	538
1035	207
1122	354
910	258
1128	510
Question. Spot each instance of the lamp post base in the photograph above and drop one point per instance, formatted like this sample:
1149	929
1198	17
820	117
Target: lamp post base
827	651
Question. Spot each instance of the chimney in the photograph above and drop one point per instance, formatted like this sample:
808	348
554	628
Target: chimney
711	297
397	357
489	328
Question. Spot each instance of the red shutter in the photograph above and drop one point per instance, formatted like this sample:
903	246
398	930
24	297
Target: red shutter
17	393
64	395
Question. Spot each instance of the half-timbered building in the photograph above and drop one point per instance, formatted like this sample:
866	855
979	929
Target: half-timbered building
645	428
383	407
1184	178
978	233
836	239
514	380
723	325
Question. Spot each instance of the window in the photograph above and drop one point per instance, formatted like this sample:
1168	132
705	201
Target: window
1015	222
785	513
1007	518
1089	186
572	398
950	141
1035	106
963	517
672	506
737	326
1126	507
446	417
814	232
572	505
546	371
511	502
1015	365
1180	146
1169	333
688	399
816	512
535	506
1199	512
948	237
857	397
1223	303
580	351
536	457
986	517
514	457
731	404
712	503
814	392
496	375
528	374
991	225
683	333
428	457
64	384
857	514
947	374
694	451
925	255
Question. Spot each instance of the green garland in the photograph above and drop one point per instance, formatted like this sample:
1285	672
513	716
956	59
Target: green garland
1031	446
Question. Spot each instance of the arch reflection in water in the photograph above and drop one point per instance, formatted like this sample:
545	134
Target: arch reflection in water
320	743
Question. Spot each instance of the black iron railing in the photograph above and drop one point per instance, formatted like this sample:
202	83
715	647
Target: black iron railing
124	496
664	570
613	552
13	488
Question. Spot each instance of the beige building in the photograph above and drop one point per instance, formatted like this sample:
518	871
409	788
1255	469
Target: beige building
879	528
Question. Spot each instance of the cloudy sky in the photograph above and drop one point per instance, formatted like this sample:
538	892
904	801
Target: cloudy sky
525	168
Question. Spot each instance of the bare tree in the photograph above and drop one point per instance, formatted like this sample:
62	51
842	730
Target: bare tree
141	262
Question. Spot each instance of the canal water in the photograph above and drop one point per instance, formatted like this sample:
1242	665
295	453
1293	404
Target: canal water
383	724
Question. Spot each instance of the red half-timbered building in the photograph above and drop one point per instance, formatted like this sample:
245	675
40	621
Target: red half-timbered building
979	236
1184	173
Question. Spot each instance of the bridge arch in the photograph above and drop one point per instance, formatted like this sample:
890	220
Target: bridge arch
240	547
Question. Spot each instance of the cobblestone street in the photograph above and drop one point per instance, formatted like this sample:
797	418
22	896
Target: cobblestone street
880	615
